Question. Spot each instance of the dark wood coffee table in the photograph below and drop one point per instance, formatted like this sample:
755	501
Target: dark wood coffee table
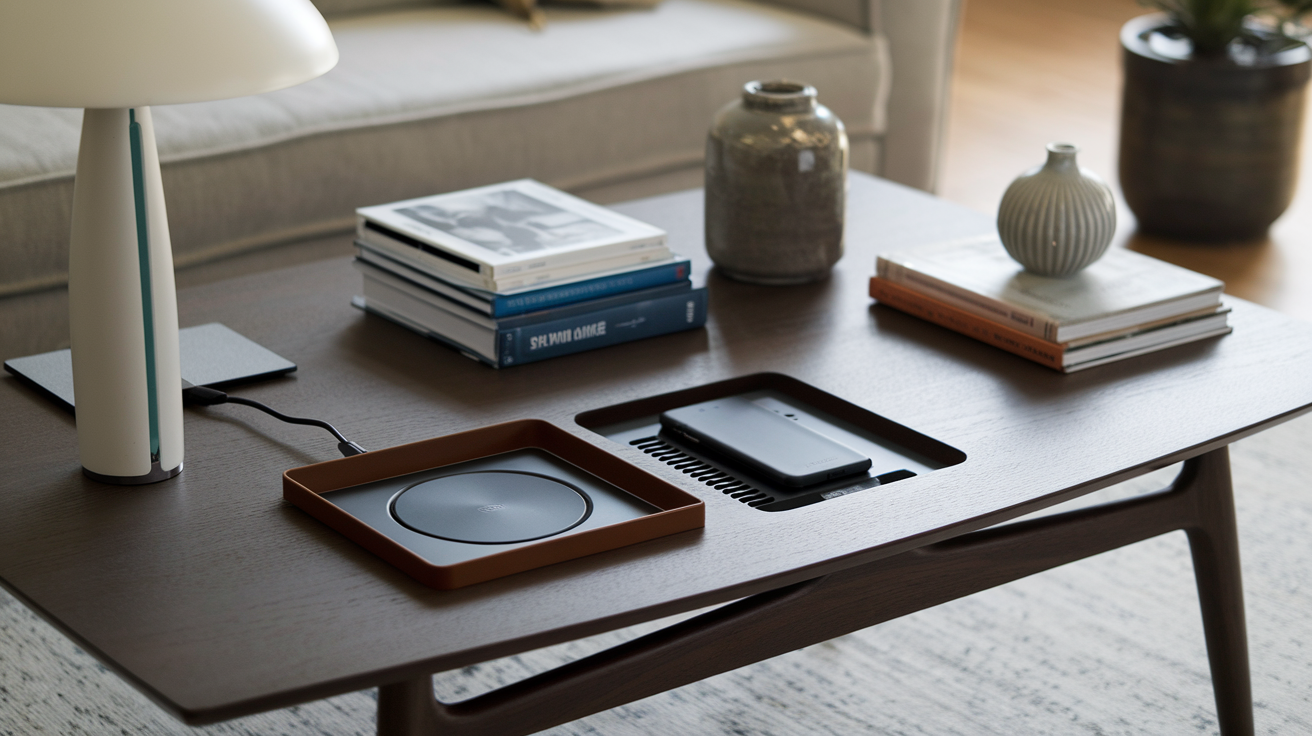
217	599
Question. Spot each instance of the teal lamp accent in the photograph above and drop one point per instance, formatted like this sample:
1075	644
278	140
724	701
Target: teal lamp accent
116	59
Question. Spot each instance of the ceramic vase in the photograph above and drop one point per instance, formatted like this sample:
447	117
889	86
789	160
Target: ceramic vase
776	180
1057	218
1209	144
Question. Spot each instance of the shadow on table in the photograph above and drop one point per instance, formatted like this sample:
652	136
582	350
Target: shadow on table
802	314
439	372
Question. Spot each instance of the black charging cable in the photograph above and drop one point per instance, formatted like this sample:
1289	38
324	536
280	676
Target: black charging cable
205	396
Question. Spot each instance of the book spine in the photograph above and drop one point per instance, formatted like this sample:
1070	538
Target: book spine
594	305
1018	318
559	296
612	326
969	324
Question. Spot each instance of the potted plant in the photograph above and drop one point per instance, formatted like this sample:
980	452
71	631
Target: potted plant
1211	115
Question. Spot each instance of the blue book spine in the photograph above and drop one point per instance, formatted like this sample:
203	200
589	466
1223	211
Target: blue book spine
558	296
580	332
593	305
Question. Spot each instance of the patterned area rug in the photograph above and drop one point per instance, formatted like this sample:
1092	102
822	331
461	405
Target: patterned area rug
1110	645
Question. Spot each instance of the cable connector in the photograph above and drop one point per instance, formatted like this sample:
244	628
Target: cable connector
206	396
203	396
350	448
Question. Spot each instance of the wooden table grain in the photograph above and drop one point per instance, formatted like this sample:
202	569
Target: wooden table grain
217	599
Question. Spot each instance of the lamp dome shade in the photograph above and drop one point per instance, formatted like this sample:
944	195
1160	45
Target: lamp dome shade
132	53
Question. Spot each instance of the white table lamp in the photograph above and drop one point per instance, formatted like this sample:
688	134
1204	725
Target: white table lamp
116	58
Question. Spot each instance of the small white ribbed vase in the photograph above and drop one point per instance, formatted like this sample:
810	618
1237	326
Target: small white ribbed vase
1057	218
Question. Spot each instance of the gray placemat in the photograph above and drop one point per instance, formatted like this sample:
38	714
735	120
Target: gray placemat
210	355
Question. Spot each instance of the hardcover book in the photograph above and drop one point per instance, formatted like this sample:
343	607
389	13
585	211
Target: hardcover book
1122	290
539	335
541	296
509	235
1067	357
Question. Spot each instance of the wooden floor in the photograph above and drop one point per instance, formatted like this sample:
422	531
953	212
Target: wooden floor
1033	71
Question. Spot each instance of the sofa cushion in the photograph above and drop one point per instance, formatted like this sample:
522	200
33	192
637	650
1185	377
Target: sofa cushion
440	98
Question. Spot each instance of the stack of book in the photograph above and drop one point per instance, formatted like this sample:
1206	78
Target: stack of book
1125	304
518	272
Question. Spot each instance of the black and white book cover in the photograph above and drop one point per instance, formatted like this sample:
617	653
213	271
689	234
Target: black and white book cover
508	228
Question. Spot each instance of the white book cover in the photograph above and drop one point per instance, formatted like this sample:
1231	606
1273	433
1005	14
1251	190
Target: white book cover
511	228
1121	290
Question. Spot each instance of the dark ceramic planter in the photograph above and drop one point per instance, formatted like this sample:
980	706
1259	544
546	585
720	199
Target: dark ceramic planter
1209	146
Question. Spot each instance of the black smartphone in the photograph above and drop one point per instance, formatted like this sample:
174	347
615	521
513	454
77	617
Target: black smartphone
773	446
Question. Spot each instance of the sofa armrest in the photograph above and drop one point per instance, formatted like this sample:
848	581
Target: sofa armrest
921	37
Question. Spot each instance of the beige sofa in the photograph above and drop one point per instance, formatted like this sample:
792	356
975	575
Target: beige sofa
610	104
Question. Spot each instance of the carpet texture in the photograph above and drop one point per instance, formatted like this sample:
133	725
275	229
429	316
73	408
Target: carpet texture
1109	645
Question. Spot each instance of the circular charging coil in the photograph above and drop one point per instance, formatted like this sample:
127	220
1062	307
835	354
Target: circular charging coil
491	507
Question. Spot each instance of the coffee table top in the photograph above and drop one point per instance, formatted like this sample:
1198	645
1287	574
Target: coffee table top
218	599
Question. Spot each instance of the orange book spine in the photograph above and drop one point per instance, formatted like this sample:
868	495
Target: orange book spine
999	336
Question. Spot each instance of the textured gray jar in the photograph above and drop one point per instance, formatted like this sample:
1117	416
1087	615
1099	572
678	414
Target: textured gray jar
776	179
1057	218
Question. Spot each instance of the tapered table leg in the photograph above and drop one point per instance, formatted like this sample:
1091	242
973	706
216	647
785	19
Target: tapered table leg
1214	542
408	709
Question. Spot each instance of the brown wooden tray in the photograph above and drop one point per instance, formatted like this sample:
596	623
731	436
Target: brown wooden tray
677	509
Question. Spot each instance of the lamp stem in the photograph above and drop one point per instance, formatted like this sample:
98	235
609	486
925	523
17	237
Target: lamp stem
123	314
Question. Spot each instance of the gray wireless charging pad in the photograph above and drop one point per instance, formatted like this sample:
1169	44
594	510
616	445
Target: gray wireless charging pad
491	507
477	508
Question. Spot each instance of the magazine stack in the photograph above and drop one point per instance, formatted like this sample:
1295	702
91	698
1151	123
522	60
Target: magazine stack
518	272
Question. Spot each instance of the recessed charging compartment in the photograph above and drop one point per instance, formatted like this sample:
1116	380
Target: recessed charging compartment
897	452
